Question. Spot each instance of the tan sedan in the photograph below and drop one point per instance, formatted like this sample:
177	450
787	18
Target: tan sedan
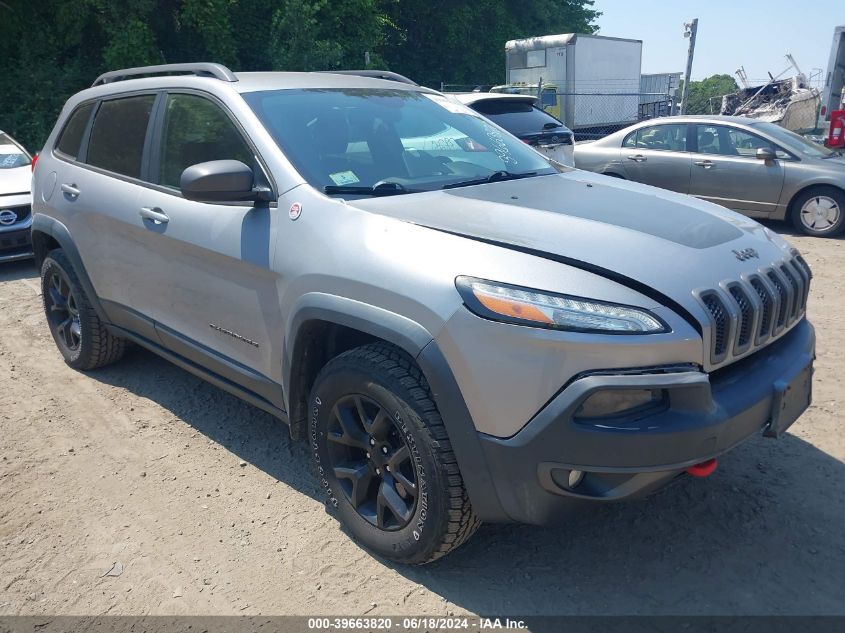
753	167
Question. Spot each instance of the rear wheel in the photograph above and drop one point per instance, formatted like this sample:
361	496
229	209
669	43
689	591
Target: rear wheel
384	459
819	211
81	337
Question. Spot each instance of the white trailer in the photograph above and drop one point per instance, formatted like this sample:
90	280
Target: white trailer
596	78
832	95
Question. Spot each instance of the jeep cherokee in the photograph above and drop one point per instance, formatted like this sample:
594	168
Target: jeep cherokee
460	330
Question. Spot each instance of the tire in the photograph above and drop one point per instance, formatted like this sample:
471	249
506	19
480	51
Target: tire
376	397
819	211
81	337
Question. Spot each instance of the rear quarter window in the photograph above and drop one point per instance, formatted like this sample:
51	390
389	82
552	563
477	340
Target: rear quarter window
117	137
517	117
71	137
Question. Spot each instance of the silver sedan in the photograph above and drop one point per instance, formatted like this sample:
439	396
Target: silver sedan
753	167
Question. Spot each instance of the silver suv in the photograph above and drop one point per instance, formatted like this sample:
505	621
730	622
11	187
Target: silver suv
460	330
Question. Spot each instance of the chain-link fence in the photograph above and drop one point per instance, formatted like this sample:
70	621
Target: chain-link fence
593	114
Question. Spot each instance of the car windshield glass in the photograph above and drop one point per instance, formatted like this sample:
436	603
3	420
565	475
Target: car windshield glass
518	117
792	141
11	155
347	141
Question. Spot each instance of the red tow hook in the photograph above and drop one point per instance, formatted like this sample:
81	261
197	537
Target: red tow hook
704	469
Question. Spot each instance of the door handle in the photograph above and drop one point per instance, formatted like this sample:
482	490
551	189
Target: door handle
639	158
707	164
155	214
70	190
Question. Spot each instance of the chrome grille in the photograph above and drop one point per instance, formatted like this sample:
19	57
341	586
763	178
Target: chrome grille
746	313
746	316
782	299
21	212
767	303
721	323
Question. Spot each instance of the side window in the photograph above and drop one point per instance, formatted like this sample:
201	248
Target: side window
710	139
71	137
729	141
117	137
668	138
196	130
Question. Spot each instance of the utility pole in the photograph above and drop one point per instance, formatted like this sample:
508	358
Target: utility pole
690	29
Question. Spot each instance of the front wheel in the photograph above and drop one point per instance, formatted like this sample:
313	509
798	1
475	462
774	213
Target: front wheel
819	211
384	459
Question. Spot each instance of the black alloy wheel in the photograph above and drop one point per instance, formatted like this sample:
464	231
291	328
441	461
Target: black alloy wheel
372	462
63	312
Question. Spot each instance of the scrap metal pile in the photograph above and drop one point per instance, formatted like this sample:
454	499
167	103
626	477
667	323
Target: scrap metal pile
790	103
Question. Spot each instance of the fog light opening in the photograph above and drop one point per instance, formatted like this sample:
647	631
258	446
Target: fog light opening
575	478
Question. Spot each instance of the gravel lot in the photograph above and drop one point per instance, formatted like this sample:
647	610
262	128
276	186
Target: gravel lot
209	508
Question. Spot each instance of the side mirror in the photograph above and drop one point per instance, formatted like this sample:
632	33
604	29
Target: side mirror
766	153
220	181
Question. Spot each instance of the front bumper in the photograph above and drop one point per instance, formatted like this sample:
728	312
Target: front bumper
705	416
16	241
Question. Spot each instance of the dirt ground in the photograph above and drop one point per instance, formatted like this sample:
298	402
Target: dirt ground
209	508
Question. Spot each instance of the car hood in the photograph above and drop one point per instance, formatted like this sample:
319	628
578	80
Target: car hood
15	180
644	236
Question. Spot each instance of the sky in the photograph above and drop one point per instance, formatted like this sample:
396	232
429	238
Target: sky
756	34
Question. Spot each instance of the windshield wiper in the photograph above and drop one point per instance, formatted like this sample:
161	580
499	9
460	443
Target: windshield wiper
381	188
836	154
496	176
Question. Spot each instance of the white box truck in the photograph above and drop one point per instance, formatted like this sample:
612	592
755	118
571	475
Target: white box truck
588	81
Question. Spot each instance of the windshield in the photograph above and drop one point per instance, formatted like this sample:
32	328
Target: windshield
11	155
793	142
519	117
358	138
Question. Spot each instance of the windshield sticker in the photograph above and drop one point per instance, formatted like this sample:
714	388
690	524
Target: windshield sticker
344	178
500	148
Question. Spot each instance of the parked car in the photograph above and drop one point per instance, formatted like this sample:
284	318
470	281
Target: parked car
753	167
519	115
15	217
479	337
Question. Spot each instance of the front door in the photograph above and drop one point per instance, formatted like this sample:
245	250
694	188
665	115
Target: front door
208	281
726	170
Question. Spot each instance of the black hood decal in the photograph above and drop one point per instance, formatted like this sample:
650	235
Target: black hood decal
681	224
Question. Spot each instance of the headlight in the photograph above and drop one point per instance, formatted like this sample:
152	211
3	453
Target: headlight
524	306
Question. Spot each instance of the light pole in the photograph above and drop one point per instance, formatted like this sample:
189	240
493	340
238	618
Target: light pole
690	29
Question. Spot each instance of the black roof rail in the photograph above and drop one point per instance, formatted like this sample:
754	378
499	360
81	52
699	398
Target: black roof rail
200	69
374	74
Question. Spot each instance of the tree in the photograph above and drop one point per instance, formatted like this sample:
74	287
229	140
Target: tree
54	48
700	92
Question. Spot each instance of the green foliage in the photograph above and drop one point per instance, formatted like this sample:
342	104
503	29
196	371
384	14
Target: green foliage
700	92
51	49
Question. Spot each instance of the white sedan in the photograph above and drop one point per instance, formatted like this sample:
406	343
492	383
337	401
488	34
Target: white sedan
15	200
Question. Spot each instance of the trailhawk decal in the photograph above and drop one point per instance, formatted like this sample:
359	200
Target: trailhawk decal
234	335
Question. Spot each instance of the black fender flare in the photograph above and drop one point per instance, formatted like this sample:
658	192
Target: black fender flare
50	226
417	342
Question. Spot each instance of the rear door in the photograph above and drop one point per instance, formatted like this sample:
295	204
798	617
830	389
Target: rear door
207	279
726	171
99	175
658	155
